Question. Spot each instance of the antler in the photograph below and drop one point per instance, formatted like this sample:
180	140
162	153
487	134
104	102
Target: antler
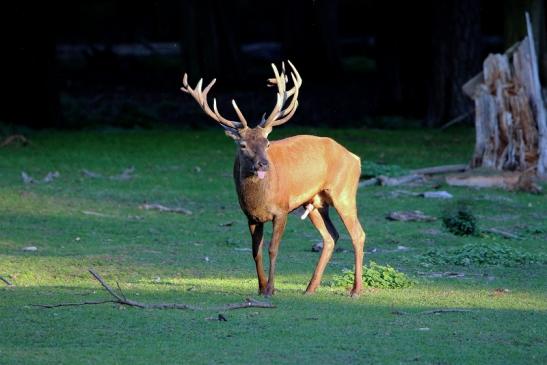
201	98
279	115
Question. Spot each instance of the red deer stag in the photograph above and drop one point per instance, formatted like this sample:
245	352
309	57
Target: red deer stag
273	179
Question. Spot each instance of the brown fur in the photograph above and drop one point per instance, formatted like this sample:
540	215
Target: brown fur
301	170
275	179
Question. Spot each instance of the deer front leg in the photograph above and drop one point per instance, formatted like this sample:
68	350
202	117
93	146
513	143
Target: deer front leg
257	234
279	223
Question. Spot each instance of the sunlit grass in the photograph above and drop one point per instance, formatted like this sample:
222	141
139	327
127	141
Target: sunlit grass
197	259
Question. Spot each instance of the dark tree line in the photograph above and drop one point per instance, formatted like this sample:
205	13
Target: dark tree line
423	51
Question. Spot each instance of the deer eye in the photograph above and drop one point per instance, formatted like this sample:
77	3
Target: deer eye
243	145
268	145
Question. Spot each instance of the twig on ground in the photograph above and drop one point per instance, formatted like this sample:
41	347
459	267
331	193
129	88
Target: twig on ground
15	138
503	233
92	174
444	169
434	311
122	300
163	208
392	181
132	303
120	289
248	303
8	283
447	310
96	214
415	176
412	216
49	306
458	119
126	174
395	181
369	182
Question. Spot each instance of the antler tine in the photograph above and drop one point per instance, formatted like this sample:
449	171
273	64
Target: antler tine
288	112
239	114
201	97
185	86
286	118
199	93
282	96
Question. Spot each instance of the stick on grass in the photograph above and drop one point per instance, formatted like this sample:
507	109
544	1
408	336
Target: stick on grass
9	283
122	300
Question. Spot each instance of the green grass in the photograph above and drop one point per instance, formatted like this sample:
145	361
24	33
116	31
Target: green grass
159	257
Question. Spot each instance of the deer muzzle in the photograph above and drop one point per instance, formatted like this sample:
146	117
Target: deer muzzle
261	167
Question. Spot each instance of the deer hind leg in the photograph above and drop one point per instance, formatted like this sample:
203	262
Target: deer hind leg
321	221
346	207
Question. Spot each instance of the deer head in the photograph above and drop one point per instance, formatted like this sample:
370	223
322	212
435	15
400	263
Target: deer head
252	142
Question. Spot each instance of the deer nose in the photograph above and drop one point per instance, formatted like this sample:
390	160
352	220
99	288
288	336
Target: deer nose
262	164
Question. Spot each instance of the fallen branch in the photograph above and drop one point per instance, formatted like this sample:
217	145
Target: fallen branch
448	310
163	208
415	176
434	311
122	300
504	234
15	138
96	214
445	169
8	283
248	303
392	181
395	181
49	306
411	216
457	119
369	182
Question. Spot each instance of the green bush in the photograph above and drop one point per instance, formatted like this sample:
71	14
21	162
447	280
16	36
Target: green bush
483	254
460	221
374	276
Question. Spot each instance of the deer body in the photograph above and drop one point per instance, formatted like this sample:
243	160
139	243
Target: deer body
302	169
273	179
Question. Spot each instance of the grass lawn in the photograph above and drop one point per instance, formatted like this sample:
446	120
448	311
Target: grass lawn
77	222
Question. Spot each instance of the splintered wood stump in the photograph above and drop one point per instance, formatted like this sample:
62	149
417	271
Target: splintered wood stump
510	121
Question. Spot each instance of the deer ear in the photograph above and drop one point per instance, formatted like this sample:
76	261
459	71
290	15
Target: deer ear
232	133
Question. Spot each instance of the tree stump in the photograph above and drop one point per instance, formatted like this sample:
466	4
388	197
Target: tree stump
510	119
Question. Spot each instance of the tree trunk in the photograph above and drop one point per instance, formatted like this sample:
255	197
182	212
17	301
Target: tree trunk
456	46
510	120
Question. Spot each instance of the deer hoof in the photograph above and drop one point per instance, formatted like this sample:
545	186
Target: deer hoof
355	293
268	292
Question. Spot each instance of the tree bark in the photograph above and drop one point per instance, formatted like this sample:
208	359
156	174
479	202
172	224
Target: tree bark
510	119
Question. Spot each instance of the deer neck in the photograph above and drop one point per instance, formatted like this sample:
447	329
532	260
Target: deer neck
255	195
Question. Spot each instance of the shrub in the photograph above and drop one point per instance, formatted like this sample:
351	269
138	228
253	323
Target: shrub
483	254
375	276
460	221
